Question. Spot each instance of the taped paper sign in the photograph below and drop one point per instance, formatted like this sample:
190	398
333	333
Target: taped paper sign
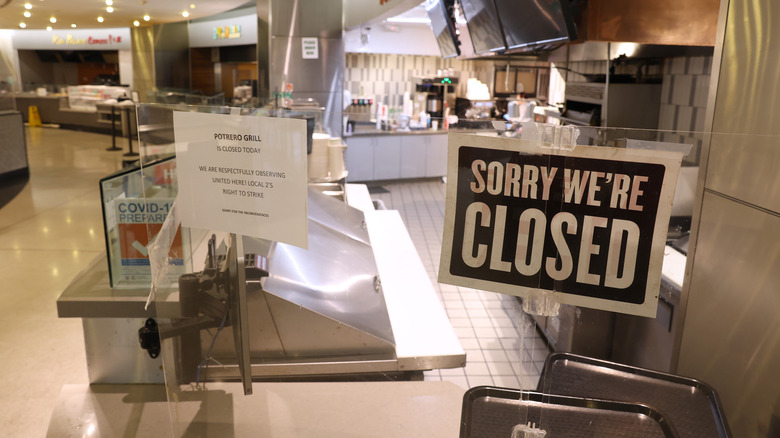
588	225
243	174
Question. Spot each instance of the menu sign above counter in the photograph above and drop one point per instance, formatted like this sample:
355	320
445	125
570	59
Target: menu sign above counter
587	227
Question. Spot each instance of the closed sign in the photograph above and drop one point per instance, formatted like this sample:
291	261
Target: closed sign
588	225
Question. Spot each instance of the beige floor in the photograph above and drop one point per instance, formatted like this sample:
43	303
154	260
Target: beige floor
48	233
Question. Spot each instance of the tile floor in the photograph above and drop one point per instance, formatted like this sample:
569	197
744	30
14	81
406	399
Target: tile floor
502	344
53	228
48	233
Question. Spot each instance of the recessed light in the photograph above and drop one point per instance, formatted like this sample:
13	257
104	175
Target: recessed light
192	5
109	2
53	20
185	14
110	9
136	23
100	19
73	25
22	25
147	18
27	14
27	6
48	28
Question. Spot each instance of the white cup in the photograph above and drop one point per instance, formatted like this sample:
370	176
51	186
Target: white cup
434	124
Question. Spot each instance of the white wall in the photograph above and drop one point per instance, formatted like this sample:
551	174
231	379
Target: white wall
410	39
9	62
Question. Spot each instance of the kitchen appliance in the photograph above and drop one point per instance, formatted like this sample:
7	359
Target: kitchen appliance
438	92
612	105
433	104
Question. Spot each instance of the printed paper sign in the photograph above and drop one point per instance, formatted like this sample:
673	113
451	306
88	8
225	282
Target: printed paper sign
243	174
588	225
310	49
137	222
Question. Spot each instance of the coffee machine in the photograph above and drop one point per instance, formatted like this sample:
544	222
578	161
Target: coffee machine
437	91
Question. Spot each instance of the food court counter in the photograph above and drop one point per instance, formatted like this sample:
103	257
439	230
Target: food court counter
55	109
374	155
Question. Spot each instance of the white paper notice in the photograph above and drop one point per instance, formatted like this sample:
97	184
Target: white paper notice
310	48
243	174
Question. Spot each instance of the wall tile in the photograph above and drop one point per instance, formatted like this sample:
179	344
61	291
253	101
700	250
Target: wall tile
678	65
665	91
696	65
666	117
701	90
682	89
698	123
684	118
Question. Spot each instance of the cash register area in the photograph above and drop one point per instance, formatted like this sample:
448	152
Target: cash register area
51	228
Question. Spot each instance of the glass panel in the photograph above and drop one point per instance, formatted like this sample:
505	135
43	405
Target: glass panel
294	295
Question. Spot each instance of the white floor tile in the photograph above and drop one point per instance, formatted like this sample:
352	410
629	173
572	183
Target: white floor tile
480	381
506	382
477	369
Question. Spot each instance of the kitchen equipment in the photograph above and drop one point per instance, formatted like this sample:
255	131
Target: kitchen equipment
497	412
693	407
433	104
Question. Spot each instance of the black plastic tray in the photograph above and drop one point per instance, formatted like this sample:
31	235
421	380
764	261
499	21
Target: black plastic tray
692	406
493	412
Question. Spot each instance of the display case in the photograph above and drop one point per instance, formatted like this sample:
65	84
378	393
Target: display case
85	97
133	198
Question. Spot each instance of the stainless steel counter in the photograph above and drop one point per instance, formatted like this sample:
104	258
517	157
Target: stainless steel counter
368	131
424	337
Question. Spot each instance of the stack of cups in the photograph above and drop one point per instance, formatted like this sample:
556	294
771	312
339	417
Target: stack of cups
318	158
336	159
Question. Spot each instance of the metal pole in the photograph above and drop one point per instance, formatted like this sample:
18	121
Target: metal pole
113	131
130	152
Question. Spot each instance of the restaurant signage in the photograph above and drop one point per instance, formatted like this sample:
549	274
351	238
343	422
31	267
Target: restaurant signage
72	39
227	32
233	31
587	227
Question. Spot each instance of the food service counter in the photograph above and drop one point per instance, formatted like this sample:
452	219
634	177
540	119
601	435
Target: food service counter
54	109
375	155
423	336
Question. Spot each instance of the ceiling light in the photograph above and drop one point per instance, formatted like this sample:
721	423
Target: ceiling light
27	14
136	23
109	2
192	5
185	14
48	28
100	19
53	20
22	25
73	25
110	9
27	6
147	18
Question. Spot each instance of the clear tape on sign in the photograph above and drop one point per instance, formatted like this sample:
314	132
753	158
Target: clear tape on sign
682	148
542	303
549	136
159	249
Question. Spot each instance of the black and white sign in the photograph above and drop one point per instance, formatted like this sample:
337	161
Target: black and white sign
588	225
